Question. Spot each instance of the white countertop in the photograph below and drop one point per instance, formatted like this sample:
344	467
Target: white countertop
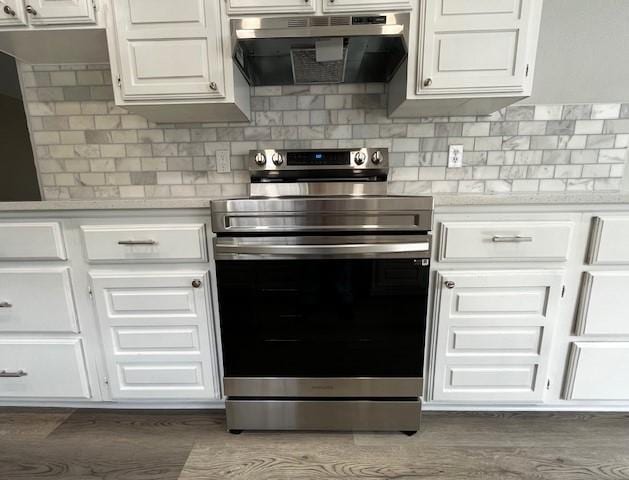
440	201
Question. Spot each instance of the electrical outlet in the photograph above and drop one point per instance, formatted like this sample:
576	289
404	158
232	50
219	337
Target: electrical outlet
223	162
455	157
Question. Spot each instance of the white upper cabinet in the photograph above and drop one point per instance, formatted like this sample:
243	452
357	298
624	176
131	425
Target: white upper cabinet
340	6
15	13
476	45
238	7
169	49
60	12
12	13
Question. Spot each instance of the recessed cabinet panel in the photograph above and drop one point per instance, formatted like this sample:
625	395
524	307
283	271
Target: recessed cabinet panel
475	46
458	53
146	302
46	368
493	377
156	339
37	300
467	7
235	7
146	12
31	241
496	340
504	241
157	334
598	371
12	13
529	301
497	347
365	5
610	237
604	304
166	53
59	12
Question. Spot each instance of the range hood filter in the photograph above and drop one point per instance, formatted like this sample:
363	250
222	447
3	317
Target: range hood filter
306	69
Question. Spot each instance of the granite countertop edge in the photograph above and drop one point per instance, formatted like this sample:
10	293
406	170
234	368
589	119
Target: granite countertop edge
444	200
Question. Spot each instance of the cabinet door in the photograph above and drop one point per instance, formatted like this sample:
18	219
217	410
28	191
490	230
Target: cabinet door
476	45
598	371
157	335
608	245
365	5
493	335
604	304
169	50
12	13
235	7
61	12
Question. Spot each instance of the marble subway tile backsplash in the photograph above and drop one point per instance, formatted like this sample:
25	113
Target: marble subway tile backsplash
86	147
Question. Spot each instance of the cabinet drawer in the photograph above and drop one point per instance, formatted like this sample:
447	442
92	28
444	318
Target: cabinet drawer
598	371
37	300
149	243
604	303
46	368
31	241
610	237
258	7
504	241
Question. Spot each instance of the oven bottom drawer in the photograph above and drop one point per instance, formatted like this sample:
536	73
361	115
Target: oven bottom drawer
340	415
400	387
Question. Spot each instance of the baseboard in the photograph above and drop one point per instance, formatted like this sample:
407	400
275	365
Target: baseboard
212	405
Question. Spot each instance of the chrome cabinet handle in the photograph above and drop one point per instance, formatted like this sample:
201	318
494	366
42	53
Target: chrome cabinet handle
31	10
137	242
511	239
450	284
7	374
428	82
213	86
196	283
9	11
5	305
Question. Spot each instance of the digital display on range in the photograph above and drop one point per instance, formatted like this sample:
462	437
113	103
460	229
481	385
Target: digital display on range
297	159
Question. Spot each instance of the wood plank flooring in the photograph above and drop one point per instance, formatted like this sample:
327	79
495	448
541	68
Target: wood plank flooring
193	445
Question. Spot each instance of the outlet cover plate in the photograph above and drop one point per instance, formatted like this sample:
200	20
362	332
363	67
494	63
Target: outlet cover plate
455	156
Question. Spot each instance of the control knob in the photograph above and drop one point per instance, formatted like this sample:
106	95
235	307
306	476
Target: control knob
377	157
360	158
277	159
260	159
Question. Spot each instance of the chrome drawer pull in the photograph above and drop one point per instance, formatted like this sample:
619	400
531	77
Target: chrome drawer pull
6	374
137	242
5	305
511	239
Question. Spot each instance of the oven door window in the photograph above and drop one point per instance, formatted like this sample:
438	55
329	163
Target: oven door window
323	318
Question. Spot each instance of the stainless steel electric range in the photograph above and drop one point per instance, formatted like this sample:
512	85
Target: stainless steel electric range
322	289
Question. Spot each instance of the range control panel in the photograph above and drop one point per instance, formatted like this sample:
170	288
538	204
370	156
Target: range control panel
326	159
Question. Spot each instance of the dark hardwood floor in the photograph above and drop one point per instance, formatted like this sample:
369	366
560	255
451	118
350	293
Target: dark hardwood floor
186	445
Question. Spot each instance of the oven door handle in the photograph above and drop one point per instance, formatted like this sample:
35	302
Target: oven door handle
352	250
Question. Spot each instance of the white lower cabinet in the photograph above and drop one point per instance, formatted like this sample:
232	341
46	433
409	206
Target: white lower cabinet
156	334
598	371
494	333
43	368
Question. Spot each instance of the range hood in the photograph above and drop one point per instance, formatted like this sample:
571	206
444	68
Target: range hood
320	49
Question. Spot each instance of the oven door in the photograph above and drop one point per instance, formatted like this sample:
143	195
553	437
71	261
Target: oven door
323	315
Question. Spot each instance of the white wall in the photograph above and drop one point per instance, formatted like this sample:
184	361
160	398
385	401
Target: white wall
583	54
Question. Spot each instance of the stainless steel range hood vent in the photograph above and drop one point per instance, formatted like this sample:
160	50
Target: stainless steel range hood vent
288	50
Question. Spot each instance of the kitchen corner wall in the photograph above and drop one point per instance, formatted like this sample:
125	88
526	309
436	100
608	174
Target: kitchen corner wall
86	147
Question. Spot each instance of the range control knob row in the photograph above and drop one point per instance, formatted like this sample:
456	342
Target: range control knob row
260	159
359	158
277	159
377	157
